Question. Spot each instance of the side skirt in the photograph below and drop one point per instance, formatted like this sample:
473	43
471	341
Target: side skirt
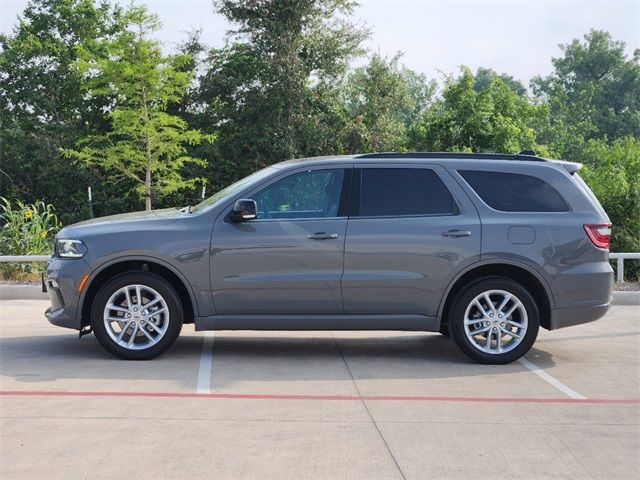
420	323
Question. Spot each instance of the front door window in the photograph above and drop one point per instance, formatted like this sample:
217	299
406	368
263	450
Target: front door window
312	194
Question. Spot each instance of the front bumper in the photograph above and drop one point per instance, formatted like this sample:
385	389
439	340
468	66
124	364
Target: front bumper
61	280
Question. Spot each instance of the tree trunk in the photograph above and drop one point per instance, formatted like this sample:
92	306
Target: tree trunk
147	183
147	177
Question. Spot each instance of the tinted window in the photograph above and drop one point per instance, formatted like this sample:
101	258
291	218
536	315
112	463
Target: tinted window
233	188
313	194
404	191
511	192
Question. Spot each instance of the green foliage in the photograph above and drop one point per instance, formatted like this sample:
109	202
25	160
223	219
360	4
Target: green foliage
145	144
272	94
593	92
42	106
495	119
383	100
612	170
25	229
484	76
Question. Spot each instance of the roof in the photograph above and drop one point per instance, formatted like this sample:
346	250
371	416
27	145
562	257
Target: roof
527	155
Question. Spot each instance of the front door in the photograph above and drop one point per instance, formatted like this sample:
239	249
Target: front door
290	259
412	229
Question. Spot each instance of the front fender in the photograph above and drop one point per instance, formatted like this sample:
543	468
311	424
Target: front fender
145	258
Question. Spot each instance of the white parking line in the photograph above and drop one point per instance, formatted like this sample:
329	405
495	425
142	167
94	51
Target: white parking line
551	380
206	364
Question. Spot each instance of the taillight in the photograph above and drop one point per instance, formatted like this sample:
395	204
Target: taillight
599	234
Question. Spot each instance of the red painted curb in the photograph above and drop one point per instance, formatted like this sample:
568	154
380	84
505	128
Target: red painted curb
387	398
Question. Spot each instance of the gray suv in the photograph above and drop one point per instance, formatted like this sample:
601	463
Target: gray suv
485	248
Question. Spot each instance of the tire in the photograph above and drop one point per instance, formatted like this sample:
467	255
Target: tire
471	319
127	329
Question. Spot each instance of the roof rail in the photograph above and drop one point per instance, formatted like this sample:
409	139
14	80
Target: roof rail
526	155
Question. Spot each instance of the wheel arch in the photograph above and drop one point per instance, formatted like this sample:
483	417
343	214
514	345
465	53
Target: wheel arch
131	264
521	273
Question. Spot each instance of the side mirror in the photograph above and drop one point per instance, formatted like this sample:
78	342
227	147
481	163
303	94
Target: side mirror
244	210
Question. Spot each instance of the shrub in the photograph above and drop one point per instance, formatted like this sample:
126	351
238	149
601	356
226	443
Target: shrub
612	170
25	229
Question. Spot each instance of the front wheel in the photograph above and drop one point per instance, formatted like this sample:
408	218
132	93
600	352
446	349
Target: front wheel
136	316
494	320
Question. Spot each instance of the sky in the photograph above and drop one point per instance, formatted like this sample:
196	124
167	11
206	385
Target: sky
517	37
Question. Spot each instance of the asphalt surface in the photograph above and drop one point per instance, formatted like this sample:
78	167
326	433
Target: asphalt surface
334	405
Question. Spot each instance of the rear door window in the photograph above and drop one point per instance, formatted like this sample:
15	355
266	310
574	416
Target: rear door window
403	191
513	192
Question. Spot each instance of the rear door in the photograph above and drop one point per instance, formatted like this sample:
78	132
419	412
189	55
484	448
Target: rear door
411	229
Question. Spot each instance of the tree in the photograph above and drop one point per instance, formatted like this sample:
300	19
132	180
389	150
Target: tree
484	76
612	170
383	99
271	94
593	92
145	143
493	120
42	106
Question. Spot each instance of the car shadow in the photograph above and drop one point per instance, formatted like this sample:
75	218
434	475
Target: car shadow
250	357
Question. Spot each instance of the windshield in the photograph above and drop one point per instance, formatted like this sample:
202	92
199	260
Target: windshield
233	188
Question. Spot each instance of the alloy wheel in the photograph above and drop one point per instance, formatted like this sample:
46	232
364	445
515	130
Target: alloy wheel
136	317
495	321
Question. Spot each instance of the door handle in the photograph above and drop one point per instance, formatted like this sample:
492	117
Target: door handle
456	233
322	236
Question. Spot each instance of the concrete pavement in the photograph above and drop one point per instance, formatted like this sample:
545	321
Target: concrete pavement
334	405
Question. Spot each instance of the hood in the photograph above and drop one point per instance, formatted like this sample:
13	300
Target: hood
122	221
164	214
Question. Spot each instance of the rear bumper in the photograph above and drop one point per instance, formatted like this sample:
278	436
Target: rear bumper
582	294
567	317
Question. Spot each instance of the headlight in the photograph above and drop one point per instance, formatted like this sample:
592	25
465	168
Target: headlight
66	248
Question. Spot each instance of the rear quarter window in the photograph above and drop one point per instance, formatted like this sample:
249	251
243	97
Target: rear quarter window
514	192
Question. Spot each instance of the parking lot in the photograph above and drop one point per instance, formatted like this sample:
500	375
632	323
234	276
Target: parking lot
352	405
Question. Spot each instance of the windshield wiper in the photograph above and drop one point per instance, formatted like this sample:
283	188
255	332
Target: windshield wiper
186	209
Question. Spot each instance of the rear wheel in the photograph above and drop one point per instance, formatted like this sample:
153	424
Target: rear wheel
494	320
136	316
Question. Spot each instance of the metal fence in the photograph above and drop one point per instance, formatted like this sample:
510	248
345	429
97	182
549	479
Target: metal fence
24	258
618	257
